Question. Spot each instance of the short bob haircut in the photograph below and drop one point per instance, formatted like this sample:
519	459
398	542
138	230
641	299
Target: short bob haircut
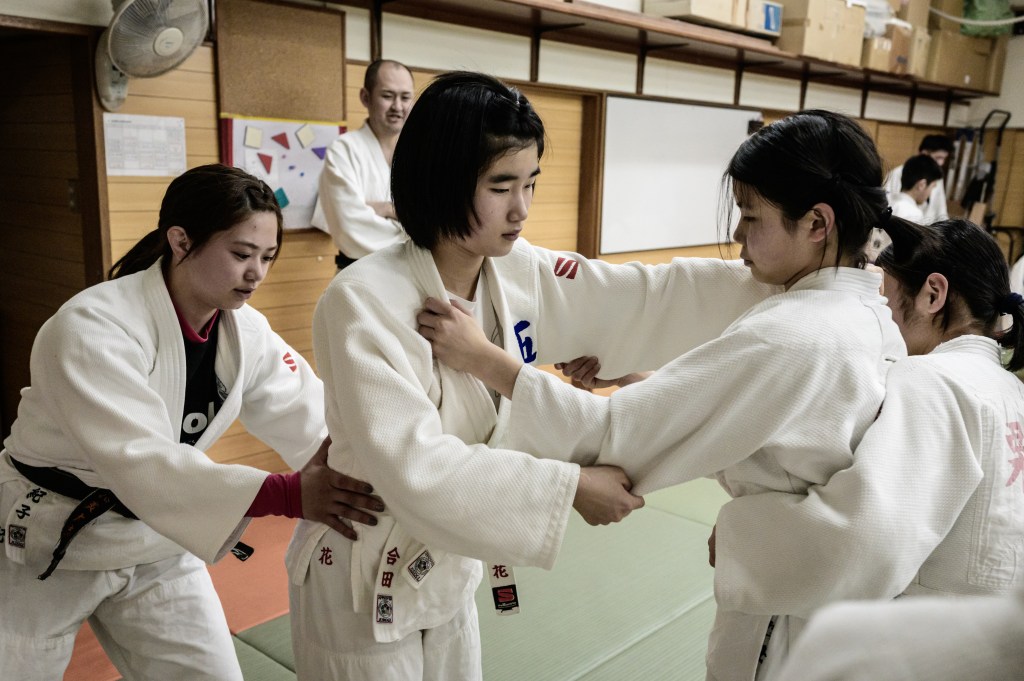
459	126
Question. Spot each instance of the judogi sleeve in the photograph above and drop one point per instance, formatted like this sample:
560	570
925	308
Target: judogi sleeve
635	317
283	404
353	224
696	416
867	531
468	499
97	377
937	208
894	183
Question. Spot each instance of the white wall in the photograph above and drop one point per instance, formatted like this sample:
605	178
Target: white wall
89	12
688	81
444	47
1011	94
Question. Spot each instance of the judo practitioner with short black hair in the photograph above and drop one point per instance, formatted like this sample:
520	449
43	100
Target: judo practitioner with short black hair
399	602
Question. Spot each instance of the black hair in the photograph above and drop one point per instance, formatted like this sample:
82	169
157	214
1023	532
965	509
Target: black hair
917	168
931	143
370	77
461	124
973	264
202	201
812	157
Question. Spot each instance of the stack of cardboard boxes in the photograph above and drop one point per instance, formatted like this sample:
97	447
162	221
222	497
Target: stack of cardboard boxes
960	60
903	49
916	42
760	17
832	30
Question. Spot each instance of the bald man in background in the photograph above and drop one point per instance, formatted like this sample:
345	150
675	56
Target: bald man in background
354	200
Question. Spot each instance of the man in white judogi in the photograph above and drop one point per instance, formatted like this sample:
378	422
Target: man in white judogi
354	202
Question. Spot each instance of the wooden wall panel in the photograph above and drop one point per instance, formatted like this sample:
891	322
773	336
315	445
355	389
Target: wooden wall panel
134	202
42	261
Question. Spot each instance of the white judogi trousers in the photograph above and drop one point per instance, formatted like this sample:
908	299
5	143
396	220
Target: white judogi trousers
158	621
331	641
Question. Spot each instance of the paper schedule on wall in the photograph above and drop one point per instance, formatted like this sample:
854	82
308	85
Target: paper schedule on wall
286	154
663	166
144	146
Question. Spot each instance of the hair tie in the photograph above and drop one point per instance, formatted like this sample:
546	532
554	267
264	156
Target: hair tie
1010	303
883	219
836	179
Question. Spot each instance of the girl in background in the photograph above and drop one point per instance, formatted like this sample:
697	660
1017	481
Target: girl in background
781	398
132	381
934	501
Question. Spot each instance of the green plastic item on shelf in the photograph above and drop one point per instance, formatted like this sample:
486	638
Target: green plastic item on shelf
986	10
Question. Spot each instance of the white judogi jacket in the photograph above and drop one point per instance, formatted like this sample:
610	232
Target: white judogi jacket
933	504
354	173
776	403
106	403
421	433
980	638
935	208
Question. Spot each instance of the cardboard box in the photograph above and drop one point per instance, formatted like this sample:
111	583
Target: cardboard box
823	10
763	17
718	12
952	7
891	52
919	42
959	60
826	29
996	64
914	12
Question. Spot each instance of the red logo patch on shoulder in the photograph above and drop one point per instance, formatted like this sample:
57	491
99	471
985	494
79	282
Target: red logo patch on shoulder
566	267
289	362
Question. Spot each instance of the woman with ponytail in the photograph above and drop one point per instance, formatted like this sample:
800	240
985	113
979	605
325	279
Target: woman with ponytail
108	502
934	501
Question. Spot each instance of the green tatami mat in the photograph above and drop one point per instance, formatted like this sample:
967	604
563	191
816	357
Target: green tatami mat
273	639
697	500
611	588
258	667
673	653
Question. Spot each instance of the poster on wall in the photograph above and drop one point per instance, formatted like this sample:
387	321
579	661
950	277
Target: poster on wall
144	146
286	154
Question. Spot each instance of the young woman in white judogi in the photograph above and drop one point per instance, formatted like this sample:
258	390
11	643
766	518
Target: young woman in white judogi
399	602
934	501
132	380
781	398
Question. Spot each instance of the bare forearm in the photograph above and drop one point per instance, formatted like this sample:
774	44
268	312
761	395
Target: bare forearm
497	369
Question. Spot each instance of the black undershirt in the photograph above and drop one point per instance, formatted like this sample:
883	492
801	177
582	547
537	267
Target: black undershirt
204	393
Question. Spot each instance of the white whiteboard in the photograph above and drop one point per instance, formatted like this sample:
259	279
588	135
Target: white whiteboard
663	166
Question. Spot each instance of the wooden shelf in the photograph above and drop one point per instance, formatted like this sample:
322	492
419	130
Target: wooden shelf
592	25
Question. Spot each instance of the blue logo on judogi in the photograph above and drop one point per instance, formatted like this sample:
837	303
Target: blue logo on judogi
525	342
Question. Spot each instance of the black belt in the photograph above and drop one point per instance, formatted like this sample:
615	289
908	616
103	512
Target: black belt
94	503
342	260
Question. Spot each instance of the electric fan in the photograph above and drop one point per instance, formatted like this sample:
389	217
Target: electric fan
145	38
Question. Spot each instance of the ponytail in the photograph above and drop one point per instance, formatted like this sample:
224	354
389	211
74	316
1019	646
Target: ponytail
142	255
1013	338
973	264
